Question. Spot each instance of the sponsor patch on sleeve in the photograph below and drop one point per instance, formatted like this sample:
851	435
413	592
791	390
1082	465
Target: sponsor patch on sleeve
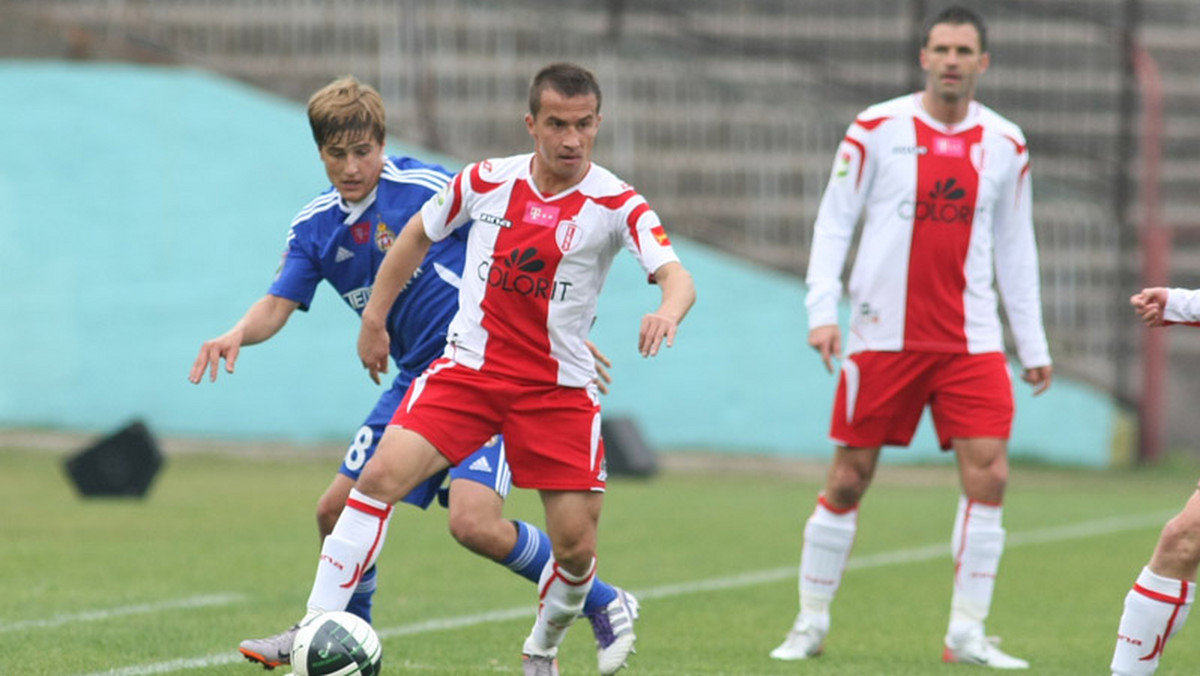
660	236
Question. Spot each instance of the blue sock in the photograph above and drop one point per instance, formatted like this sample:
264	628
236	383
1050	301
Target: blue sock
360	602
601	594
530	555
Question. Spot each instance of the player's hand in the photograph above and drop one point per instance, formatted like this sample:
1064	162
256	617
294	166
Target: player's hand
655	329
1039	377
827	341
602	379
373	343
1149	305
225	347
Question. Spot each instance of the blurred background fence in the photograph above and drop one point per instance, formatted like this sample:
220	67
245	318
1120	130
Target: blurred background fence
726	115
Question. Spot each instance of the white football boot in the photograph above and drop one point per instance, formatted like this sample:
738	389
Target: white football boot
973	647
805	639
272	651
612	626
539	665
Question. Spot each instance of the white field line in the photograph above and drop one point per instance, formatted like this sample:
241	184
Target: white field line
1076	531
123	611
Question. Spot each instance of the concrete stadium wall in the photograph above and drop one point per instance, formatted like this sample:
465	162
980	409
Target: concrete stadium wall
144	208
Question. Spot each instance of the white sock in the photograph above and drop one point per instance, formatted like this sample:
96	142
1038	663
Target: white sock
561	600
1155	609
828	538
978	543
348	552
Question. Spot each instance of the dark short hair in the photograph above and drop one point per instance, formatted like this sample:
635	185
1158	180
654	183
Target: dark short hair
567	79
957	15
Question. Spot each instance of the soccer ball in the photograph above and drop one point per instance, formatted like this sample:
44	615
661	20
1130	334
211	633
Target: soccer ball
336	644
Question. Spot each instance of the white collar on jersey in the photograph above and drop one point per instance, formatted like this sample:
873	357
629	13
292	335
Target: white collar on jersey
355	209
966	123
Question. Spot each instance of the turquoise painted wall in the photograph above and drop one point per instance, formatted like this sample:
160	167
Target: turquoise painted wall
144	208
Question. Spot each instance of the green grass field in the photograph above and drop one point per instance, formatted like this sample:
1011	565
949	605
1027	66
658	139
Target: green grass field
224	548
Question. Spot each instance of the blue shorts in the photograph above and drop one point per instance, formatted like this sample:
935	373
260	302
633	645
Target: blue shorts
487	466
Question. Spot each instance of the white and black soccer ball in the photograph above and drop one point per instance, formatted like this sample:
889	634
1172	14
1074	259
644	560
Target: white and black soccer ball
336	644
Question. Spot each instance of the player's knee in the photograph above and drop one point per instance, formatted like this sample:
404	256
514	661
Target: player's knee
575	560
988	485
574	552
986	481
464	526
483	535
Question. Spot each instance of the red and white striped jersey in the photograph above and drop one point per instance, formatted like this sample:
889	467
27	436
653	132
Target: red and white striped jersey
948	219
536	263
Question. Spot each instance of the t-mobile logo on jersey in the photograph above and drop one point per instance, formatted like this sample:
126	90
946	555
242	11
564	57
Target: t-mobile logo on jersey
515	273
950	146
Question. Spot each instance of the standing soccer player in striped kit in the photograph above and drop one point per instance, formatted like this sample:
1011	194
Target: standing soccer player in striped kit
547	226
945	186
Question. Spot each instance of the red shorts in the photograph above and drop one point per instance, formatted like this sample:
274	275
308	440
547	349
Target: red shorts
551	433
881	395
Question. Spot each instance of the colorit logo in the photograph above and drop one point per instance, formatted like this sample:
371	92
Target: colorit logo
948	190
517	273
942	204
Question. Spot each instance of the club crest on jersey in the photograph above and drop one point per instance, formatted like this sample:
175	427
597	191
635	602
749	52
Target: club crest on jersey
383	237
567	235
361	232
977	157
544	215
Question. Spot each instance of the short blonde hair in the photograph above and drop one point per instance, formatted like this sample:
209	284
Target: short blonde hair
346	108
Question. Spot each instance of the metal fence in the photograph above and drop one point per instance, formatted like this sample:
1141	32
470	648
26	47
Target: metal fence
725	114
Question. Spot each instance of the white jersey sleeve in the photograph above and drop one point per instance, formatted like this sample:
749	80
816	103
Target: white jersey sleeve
446	211
1183	305
837	218
644	235
1017	274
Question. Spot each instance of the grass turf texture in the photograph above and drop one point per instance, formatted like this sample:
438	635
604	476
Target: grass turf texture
224	548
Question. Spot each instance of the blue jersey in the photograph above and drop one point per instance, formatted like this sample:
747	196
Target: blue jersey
344	244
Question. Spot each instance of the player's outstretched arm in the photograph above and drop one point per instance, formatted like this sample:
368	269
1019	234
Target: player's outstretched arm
678	296
1149	305
262	320
397	268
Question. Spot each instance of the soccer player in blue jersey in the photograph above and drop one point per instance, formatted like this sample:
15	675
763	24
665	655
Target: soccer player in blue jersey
341	237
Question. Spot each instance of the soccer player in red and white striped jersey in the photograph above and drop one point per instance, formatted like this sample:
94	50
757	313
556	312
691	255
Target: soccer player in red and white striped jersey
942	183
1163	594
546	227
